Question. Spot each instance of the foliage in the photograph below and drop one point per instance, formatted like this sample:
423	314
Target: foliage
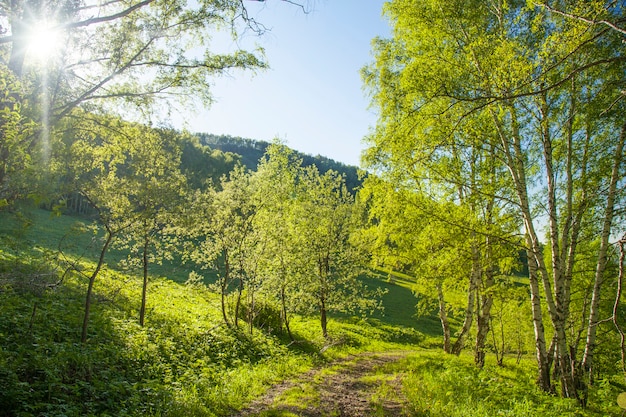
113	55
203	166
510	111
16	139
283	232
252	152
438	386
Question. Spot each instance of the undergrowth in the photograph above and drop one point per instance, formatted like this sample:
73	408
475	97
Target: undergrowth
185	362
441	385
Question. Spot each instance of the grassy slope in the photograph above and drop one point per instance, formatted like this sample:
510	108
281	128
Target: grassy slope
184	363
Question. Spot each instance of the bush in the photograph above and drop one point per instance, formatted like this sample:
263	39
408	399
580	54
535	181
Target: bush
265	315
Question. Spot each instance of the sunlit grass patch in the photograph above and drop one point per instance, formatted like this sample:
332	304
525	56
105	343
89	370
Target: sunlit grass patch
278	413
302	395
438	385
183	362
385	392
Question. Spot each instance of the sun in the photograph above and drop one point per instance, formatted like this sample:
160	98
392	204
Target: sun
43	43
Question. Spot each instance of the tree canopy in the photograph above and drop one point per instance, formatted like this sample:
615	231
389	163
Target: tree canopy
526	97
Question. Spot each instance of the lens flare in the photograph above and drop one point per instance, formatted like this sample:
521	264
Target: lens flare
43	43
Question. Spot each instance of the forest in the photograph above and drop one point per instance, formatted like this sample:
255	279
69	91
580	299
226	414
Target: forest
472	266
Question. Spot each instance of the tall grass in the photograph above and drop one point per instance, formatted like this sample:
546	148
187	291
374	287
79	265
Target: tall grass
183	362
441	385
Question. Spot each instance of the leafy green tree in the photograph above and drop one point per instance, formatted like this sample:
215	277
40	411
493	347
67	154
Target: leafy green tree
304	222
329	263
227	238
542	87
96	160
156	189
15	140
131	51
135	190
276	181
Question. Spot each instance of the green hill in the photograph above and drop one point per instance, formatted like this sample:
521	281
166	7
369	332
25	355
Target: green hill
252	150
185	362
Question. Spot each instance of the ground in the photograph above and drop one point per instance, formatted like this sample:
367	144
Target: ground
357	386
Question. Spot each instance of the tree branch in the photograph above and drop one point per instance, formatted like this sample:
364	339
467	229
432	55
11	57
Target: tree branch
581	18
90	21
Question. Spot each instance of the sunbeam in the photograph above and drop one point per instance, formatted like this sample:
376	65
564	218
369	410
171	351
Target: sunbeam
43	43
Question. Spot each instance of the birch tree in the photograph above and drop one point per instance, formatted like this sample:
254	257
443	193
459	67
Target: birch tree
547	89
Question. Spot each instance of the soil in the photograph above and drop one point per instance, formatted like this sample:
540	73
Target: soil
356	386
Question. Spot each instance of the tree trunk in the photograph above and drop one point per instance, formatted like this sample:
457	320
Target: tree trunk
224	287
514	158
144	288
556	302
323	319
443	317
471	300
594	308
251	312
92	280
324	272
483	320
618	297
238	303
543	359
285	317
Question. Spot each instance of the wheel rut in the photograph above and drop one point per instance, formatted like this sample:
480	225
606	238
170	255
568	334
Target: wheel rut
355	386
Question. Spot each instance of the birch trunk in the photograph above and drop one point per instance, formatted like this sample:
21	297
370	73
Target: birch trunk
443	317
543	360
486	299
484	313
474	281
557	305
515	160
594	308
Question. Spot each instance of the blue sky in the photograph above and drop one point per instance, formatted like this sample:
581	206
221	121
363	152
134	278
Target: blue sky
312	95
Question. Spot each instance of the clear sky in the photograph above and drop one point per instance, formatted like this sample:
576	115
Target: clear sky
312	95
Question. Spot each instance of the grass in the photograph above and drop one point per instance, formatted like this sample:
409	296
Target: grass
184	362
399	305
440	385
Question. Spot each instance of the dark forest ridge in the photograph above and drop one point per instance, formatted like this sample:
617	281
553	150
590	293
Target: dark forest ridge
252	150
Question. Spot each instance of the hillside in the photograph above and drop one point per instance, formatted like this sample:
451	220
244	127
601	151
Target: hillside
252	150
185	362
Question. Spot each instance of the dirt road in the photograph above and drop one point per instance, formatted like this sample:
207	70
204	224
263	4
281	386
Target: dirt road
357	386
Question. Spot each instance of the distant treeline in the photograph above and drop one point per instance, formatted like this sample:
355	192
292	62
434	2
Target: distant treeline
252	150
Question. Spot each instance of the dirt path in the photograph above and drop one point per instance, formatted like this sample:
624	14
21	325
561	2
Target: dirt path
357	386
